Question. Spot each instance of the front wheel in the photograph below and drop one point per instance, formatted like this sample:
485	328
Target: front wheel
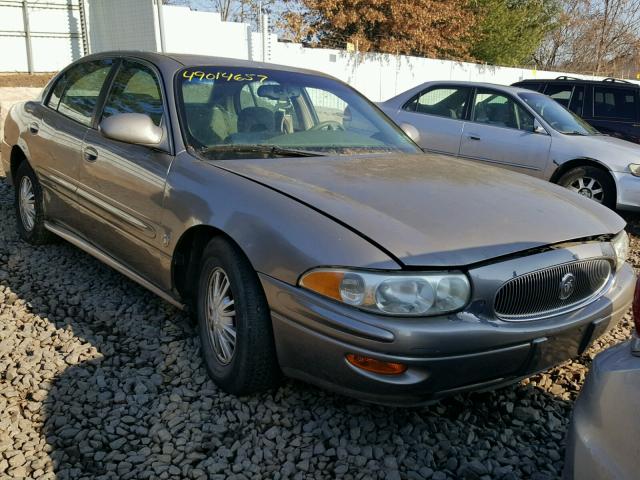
30	206
234	322
591	182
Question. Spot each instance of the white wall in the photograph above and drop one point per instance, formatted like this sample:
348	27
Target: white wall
121	25
189	31
381	76
55	35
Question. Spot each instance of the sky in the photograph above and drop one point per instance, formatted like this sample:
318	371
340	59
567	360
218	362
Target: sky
194	4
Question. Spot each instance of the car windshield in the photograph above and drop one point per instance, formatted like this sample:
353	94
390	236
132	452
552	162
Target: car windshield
229	112
561	119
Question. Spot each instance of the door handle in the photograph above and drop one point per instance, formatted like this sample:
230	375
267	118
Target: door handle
90	154
34	128
473	137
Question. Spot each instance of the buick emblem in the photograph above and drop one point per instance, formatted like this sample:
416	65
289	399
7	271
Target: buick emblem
567	286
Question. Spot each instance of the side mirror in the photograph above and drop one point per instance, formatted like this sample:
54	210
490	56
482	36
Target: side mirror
537	128
411	131
136	128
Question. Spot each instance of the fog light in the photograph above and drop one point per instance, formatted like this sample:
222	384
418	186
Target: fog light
376	366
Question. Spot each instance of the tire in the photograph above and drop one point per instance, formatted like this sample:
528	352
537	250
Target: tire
30	226
252	367
592	182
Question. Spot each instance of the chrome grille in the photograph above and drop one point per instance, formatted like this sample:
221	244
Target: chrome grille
545	292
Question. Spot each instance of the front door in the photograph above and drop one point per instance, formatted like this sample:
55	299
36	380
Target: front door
122	185
501	133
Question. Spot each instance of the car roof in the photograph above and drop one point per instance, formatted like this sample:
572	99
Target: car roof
570	80
465	83
180	60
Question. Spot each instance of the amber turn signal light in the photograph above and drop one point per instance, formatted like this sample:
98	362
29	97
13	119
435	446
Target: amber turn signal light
376	366
325	283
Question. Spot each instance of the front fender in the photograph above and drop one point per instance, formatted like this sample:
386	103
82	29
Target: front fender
282	237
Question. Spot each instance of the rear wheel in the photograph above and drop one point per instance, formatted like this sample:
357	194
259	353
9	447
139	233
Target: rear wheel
234	322
29	206
591	182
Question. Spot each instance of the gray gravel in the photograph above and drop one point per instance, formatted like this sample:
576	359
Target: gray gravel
100	379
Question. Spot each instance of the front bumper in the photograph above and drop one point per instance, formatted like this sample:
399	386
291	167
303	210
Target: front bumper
445	355
628	187
602	441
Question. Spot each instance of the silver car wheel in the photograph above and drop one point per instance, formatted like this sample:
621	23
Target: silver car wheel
27	203
220	315
588	187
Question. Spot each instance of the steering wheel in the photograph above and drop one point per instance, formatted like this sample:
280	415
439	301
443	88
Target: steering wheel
330	125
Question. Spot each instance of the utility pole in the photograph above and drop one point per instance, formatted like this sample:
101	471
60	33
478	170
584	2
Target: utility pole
27	35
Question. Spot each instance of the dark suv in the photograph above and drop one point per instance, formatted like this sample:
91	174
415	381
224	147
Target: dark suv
610	105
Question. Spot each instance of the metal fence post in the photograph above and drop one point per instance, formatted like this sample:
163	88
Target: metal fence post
27	35
83	28
161	26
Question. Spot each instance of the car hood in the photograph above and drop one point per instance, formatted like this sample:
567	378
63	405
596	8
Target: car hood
433	210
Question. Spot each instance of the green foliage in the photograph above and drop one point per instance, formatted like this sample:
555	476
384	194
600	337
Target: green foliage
510	31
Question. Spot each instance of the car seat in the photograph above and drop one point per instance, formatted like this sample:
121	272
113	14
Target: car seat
254	125
499	114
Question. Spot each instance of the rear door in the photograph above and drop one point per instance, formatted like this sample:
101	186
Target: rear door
122	185
500	132
615	111
56	139
438	113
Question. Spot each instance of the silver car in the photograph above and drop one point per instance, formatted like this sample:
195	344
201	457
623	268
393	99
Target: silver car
307	233
521	130
603	438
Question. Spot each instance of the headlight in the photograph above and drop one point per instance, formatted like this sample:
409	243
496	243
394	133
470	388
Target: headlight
621	246
634	168
402	293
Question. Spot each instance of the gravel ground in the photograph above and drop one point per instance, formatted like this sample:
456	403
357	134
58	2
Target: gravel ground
100	379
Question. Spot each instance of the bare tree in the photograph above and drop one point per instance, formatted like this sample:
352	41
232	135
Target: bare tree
593	36
233	10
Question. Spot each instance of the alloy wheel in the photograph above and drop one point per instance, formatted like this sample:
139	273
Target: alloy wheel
220	315
27	203
588	187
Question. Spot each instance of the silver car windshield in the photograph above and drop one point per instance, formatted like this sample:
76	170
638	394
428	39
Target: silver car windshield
561	119
236	112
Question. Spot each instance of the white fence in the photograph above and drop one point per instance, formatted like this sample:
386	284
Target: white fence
53	29
140	25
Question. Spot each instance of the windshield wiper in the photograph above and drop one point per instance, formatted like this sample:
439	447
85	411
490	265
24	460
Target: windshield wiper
271	150
575	132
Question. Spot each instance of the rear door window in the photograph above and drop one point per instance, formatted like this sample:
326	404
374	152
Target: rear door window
450	102
614	102
78	97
